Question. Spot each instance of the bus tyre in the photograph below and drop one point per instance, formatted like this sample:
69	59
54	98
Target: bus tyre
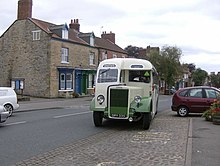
146	120
97	118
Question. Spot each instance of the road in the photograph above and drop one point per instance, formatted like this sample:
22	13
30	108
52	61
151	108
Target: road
27	134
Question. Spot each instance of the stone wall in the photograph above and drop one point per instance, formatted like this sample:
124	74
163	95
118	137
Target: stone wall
37	62
21	57
78	58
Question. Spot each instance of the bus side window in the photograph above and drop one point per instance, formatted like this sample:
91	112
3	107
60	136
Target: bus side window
155	77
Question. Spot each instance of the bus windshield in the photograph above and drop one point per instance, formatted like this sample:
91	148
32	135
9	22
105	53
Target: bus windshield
107	75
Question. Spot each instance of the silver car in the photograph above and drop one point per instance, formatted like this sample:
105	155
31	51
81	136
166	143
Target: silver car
3	114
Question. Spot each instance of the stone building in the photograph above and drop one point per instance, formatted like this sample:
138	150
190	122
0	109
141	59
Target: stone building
43	59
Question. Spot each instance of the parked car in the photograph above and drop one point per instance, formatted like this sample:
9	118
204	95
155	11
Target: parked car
8	99
193	99
172	90
3	114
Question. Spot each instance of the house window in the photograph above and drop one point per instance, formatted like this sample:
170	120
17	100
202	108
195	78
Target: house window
65	34
92	58
114	56
69	81
62	81
92	40
91	80
66	81
36	35
65	55
104	55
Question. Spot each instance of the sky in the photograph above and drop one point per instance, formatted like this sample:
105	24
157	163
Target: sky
191	25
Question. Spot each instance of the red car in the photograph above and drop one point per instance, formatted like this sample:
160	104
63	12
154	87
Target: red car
193	99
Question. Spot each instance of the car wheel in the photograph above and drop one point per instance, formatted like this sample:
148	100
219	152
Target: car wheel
146	120
9	108
97	118
183	111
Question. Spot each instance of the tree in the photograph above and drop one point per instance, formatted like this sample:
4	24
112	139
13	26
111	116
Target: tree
199	76
132	51
215	80
171	64
156	59
167	64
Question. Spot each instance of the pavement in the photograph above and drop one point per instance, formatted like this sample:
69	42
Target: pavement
170	141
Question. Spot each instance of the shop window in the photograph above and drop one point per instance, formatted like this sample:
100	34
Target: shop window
66	81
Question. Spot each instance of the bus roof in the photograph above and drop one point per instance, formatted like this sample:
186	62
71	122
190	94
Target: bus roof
127	63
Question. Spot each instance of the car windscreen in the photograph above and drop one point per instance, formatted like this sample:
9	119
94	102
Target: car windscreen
107	75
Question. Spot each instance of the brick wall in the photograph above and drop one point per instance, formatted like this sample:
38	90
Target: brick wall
110	54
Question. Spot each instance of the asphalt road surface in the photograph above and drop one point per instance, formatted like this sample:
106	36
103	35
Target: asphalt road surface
27	134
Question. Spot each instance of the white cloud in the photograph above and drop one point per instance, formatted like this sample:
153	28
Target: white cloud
191	25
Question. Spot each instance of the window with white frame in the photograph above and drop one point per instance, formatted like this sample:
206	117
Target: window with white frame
91	80
69	81
65	34
92	41
62	81
92	58
65	55
36	34
104	55
66	81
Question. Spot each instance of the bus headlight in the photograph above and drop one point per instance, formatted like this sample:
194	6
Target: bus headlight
100	99
137	99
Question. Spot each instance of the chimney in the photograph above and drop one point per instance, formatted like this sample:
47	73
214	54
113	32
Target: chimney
24	9
109	36
75	24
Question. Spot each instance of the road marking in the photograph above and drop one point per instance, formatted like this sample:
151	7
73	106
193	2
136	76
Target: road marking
15	123
80	113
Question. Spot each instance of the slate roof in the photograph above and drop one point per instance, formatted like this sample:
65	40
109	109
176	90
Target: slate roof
45	26
74	36
107	44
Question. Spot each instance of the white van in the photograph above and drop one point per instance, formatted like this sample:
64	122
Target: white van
126	88
8	99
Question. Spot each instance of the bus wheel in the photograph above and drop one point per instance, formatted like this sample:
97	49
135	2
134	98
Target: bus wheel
97	118
146	120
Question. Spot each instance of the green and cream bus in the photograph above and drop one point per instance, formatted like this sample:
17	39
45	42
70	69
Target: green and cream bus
125	88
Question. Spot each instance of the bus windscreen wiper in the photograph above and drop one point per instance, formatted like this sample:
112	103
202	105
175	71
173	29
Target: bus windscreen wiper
104	71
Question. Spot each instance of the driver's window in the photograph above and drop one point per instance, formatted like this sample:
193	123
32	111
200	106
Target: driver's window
139	76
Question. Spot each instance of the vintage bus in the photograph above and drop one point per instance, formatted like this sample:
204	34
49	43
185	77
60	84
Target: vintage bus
125	88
